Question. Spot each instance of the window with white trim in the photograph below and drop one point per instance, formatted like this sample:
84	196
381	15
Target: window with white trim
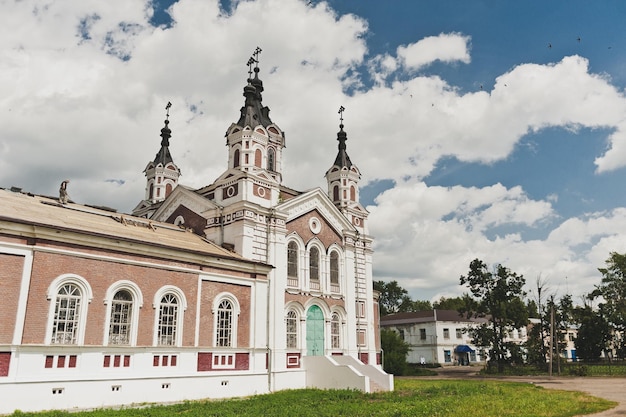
224	327
121	317
334	271
291	325
168	320
335	331
292	264
314	265
69	297
67	315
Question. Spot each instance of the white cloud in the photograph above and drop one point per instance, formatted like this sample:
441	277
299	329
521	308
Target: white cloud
446	47
73	109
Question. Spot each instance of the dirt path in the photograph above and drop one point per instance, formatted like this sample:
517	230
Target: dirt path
613	389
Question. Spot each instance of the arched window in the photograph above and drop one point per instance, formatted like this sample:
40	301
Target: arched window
335	331
224	328
69	297
236	158
292	261
291	324
352	193
168	189
67	315
168	320
258	157
314	263
334	269
121	317
271	159
336	193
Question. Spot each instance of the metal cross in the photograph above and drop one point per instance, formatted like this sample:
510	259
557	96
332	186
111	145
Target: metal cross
249	64
167	108
341	110
256	53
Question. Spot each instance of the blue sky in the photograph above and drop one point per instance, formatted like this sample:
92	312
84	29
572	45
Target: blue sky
483	129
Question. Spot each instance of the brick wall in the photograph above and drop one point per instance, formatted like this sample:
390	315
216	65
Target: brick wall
101	275
11	267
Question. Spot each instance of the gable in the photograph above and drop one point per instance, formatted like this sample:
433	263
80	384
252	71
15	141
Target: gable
313	224
316	200
182	196
188	219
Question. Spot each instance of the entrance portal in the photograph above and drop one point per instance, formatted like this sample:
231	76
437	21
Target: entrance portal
315	331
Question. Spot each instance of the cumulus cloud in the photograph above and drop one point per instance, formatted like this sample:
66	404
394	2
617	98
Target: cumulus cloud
84	83
446	47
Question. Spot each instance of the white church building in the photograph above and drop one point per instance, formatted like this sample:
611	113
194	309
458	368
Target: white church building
241	287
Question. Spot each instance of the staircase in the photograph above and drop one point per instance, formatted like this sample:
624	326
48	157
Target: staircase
345	372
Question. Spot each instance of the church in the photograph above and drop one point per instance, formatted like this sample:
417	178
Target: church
241	287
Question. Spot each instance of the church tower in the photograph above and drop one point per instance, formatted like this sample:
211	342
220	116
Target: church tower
161	174
255	143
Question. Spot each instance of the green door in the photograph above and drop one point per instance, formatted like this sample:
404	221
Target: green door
315	331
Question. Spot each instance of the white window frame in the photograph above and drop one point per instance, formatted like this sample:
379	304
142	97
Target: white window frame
86	297
180	314
235	317
137	304
296	332
297	276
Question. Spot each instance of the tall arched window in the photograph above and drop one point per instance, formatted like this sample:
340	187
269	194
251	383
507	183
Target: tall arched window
258	158
224	328
336	193
292	263
168	189
271	159
121	318
352	193
314	264
168	320
67	315
291	323
69	297
335	331
334	270
236	158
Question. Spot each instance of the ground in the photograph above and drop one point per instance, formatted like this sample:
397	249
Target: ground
613	389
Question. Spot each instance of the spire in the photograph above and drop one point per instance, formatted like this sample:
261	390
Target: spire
164	156
342	160
253	113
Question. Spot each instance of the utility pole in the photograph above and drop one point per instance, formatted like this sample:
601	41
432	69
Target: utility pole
551	339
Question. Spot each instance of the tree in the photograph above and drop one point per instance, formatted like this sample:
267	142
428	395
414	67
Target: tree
454	303
394	352
496	296
391	296
593	333
612	290
408	306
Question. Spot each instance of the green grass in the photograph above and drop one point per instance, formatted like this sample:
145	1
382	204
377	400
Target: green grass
412	397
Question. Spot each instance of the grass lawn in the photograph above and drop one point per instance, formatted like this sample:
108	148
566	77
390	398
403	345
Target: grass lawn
412	397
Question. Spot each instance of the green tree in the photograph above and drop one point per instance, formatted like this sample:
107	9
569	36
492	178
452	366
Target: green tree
394	352
391	296
453	303
496	296
612	292
409	306
593	333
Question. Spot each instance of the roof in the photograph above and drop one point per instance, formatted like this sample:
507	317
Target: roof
427	316
30	215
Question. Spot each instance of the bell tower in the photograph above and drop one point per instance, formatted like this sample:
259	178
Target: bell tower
162	174
343	177
255	143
